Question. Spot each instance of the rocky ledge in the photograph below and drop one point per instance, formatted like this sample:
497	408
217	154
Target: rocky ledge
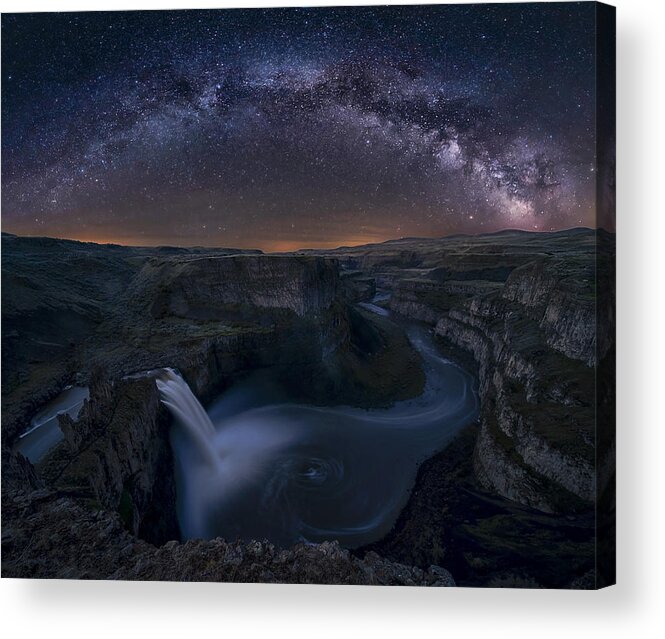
532	314
101	503
53	537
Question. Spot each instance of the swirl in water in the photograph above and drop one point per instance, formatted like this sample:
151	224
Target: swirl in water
285	472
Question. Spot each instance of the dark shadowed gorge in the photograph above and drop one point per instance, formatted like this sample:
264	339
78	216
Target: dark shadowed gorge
504	497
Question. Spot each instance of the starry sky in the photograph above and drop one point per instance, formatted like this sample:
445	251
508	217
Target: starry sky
289	128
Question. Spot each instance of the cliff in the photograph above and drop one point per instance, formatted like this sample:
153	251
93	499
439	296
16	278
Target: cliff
519	309
101	503
534	344
522	310
212	287
53	537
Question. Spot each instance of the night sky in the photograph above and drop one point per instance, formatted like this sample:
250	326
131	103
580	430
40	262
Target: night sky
289	128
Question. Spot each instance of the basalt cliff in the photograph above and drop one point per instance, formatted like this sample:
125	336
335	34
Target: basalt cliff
530	314
101	503
533	315
522	309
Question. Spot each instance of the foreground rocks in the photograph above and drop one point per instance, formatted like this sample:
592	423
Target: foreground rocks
52	537
486	540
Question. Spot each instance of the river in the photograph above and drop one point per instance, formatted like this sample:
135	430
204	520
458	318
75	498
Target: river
44	431
258	467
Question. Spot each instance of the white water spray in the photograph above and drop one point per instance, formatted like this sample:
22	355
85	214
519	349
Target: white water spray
177	396
277	470
272	469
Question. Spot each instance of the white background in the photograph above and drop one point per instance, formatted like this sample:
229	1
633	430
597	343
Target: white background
633	608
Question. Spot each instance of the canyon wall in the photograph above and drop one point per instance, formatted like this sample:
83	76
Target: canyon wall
108	488
210	287
521	309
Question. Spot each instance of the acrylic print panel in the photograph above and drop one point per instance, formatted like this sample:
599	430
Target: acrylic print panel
310	295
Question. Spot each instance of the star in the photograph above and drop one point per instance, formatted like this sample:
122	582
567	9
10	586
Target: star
284	122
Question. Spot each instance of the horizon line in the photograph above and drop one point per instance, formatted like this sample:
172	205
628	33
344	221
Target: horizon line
306	248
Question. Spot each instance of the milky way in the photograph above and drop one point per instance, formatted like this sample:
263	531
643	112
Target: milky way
298	127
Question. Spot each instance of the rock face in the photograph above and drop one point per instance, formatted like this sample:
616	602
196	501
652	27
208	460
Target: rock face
101	504
414	299
536	444
117	456
519	309
99	547
560	295
523	310
209	287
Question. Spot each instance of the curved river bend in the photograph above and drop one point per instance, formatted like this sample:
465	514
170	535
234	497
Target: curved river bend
255	468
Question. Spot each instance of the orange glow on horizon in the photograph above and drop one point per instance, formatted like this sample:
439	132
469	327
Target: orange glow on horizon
267	246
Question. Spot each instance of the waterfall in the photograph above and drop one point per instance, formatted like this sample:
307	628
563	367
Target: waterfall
274	469
177	396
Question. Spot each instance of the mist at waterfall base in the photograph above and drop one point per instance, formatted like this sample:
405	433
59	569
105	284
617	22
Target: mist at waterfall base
257	467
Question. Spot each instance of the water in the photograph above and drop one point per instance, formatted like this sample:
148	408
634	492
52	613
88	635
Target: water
44	432
177	396
285	472
370	306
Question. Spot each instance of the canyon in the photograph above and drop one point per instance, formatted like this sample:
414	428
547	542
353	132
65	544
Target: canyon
530	315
